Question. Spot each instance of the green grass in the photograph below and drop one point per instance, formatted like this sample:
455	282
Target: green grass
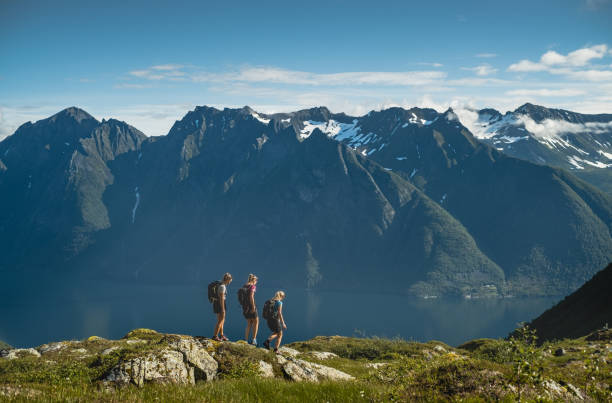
228	390
480	370
363	348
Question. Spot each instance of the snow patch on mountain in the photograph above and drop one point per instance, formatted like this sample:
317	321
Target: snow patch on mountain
605	154
331	128
260	118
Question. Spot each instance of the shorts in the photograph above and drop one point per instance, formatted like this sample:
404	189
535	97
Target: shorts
275	325
250	314
217	306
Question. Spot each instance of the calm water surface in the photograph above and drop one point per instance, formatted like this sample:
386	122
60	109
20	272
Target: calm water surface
40	318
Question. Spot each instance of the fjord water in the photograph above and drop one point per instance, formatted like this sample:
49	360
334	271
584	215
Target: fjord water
82	312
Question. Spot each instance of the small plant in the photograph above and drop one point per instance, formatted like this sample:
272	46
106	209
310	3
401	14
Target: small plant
527	360
243	369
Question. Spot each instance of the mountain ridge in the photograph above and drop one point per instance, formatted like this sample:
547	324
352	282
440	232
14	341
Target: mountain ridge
402	191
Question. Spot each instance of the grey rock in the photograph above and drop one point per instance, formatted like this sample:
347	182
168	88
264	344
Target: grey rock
265	370
287	351
568	393
440	349
300	370
135	341
323	355
17	352
110	350
166	366
376	365
196	355
79	351
51	347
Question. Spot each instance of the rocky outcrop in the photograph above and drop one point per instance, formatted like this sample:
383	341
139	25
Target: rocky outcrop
146	356
184	360
300	370
18	352
323	355
166	366
266	370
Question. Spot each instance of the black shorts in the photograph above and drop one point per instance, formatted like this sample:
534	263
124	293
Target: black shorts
250	314
217	306
275	325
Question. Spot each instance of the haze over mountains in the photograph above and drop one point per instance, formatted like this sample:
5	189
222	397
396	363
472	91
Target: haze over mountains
407	201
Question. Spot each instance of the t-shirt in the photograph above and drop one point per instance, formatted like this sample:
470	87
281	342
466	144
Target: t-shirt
277	306
222	290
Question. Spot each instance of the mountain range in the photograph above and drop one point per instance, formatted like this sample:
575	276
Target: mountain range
406	201
576	142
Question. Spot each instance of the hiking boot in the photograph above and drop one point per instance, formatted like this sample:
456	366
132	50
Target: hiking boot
266	344
275	350
224	338
217	338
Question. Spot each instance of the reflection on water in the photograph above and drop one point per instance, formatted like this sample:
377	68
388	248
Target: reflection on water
117	309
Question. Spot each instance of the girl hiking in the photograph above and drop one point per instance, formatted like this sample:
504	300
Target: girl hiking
276	322
249	309
219	291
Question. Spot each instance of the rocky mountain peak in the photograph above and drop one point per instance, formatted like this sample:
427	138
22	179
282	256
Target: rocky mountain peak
73	113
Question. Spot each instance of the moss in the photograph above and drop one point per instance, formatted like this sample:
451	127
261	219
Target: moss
143	334
365	348
480	371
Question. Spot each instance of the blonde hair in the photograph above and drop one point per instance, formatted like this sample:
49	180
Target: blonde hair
252	278
227	276
279	295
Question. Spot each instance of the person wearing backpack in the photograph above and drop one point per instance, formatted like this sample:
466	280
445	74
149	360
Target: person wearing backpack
217	292
246	296
273	313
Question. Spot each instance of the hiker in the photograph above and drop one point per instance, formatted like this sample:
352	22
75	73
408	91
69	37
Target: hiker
246	296
217	292
273	312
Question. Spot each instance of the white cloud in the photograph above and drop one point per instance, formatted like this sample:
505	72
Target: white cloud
526	66
482	70
552	128
545	92
577	58
486	55
166	67
283	76
568	65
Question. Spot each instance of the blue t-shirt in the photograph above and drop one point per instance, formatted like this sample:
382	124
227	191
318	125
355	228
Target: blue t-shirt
277	306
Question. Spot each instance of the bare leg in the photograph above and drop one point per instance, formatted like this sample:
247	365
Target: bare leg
219	325
278	340
248	329
255	327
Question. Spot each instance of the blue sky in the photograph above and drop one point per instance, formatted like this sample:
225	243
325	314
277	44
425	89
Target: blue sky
149	62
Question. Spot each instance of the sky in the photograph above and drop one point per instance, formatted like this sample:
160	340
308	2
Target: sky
149	62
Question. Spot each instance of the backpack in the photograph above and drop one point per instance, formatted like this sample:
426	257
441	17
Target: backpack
268	310
213	291
243	295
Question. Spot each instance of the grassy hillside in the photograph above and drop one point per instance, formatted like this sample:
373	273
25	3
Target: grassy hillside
582	312
3	345
381	370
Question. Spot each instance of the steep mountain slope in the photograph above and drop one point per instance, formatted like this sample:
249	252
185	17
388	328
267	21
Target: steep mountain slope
573	141
52	177
548	230
399	200
239	192
587	309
